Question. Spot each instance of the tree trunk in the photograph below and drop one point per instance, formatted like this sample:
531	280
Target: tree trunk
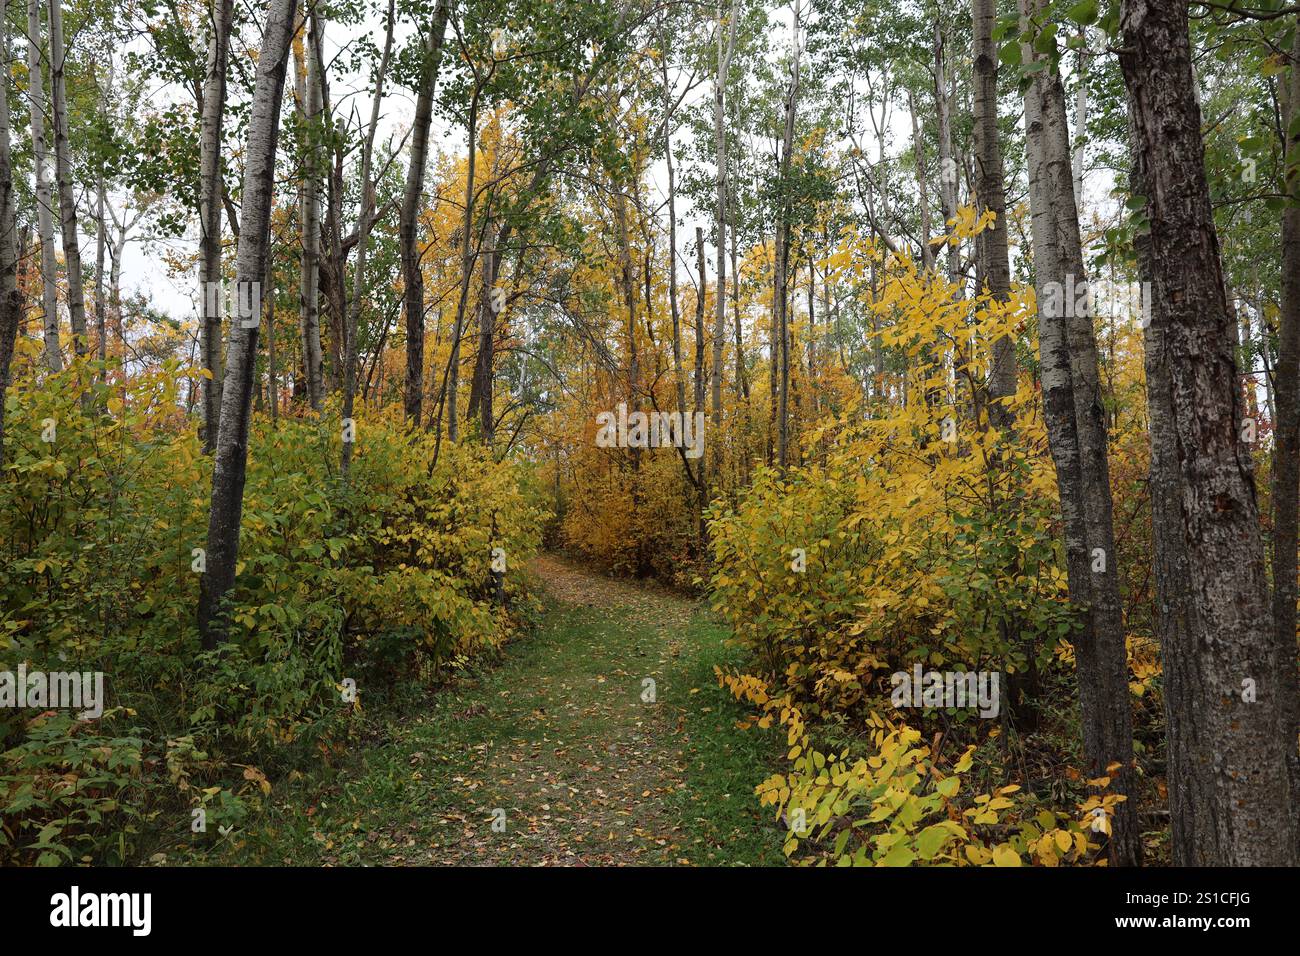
990	196
1077	436
309	221
703	487
63	173
11	300
923	192
44	196
725	50
742	375
115	285
1237	764
467	254
679	373
947	163
101	249
1080	121
364	221
412	278
272	367
1286	449
231	457
627	283
211	191
334	264
699	321
481	386
782	266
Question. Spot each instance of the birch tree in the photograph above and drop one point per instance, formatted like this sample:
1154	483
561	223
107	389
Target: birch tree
63	174
780	301
11	300
412	201
990	196
1077	438
726	48
37	108
364	223
211	191
309	219
231	456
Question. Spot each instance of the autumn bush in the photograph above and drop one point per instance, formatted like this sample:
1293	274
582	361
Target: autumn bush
633	516
921	535
903	805
903	545
379	577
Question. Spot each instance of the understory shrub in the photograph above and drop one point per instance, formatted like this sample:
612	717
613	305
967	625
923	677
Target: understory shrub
344	587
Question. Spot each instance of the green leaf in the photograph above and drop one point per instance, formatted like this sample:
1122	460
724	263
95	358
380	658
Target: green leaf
932	839
900	855
1084	13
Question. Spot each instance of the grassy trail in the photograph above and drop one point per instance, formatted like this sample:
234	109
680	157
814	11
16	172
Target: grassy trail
559	738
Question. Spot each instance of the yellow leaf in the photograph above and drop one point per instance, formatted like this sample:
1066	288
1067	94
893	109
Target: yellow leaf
1004	855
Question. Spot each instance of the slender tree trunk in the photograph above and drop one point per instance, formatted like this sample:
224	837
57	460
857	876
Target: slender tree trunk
1066	334
334	263
1110	711
412	203
1080	121
37	106
990	196
932	368
467	253
627	283
812	331
63	173
779	298
481	387
923	191
115	287
231	457
11	299
101	249
679	372
211	191
699	378
947	162
725	50
742	375
309	219
272	368
364	221
1239	760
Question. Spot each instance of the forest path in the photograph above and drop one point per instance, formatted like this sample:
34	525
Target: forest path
561	748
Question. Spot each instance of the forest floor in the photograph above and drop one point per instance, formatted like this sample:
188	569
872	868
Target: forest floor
557	745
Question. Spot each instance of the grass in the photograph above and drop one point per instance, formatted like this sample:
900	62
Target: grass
559	745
